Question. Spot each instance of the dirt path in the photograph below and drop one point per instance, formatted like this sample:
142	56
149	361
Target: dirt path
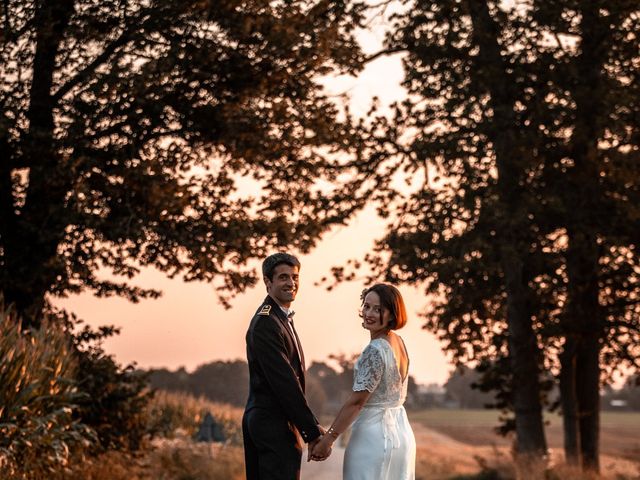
466	458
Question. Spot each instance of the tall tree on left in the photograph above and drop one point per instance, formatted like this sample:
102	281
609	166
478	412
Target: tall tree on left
125	125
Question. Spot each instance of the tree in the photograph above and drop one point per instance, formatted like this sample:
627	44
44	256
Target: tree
219	381
222	381
335	381
519	143
466	229
462	386
595	157
125	125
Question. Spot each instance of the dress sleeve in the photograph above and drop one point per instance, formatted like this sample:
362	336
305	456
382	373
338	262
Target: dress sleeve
369	370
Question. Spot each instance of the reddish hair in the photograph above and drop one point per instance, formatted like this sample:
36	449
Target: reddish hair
391	300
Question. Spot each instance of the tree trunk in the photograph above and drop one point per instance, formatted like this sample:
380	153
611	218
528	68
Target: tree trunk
30	250
524	355
585	319
588	388
7	207
585	324
569	401
531	446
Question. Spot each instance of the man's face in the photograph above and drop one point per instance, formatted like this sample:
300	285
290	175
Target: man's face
284	286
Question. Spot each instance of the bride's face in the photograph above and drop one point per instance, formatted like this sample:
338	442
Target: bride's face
374	317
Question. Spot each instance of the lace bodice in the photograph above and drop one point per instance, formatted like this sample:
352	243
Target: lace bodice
376	371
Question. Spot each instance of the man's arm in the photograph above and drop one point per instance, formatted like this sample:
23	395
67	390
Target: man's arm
270	352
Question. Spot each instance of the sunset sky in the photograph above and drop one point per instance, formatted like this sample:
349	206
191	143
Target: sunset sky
187	327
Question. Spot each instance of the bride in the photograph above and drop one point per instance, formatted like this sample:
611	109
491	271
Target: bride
382	445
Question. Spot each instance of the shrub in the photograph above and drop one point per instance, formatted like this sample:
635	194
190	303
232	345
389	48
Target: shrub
116	400
38	396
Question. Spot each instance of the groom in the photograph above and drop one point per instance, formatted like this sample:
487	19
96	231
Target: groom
277	417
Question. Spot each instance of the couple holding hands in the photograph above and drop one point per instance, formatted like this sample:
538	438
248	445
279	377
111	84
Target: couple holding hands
277	419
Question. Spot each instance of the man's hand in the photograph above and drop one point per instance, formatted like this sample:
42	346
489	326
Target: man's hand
311	445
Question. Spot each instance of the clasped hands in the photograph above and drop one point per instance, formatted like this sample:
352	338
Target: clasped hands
320	448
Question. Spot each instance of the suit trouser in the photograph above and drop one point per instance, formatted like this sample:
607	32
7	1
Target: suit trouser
271	448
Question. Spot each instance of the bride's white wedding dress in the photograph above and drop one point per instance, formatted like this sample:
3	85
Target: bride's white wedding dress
382	445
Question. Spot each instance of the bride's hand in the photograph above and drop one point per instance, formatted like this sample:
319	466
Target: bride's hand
322	449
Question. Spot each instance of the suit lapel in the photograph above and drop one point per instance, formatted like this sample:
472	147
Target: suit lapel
284	321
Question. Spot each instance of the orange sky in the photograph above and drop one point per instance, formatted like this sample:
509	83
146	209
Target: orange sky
187	327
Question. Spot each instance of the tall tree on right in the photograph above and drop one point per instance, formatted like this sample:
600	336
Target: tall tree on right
594	169
521	137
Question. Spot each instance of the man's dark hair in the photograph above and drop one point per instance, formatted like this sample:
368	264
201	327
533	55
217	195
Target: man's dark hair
272	261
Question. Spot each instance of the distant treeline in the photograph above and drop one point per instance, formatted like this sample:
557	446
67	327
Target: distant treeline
228	381
328	384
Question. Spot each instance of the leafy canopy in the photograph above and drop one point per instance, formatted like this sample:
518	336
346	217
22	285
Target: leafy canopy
125	126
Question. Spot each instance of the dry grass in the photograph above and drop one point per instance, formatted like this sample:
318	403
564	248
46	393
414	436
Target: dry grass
474	455
174	455
619	431
181	459
181	413
498	465
431	467
454	444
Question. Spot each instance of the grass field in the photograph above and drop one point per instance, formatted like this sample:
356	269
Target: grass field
619	432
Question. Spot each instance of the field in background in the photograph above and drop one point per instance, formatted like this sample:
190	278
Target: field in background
619	433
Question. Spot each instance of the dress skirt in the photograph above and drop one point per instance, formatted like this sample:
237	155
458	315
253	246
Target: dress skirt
381	446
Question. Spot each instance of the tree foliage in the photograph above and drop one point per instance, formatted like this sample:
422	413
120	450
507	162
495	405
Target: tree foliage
219	381
461	386
519	145
124	127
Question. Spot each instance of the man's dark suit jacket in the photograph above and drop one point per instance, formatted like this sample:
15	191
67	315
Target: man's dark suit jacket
276	383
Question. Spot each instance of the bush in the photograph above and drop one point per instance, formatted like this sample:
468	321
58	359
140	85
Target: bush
116	398
38	398
116	402
181	461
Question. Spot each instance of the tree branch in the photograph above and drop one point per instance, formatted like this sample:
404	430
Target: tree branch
123	39
386	51
7	23
89	69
